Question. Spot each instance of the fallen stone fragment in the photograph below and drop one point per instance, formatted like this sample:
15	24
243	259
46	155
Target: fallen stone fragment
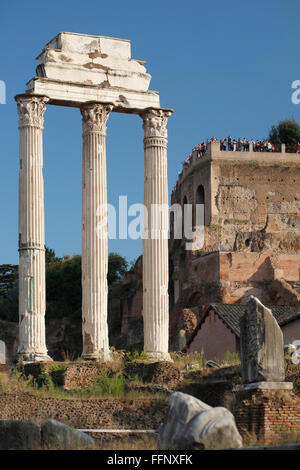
56	435
192	424
19	435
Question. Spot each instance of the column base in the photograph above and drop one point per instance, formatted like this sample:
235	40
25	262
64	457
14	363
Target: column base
33	357
96	356
264	386
159	356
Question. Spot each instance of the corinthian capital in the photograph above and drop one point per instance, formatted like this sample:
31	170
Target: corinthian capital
155	122
94	117
31	110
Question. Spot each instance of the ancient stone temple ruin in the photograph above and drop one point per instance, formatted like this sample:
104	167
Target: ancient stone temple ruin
97	75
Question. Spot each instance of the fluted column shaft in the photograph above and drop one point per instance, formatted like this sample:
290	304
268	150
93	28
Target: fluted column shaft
32	284
94	232
155	243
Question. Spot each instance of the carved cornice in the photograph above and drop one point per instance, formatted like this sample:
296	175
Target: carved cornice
94	117
155	122
31	110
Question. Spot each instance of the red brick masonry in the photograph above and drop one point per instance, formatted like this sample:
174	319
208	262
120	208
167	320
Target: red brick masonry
268	413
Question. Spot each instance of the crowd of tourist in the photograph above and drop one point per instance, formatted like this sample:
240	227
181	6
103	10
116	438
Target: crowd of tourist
234	145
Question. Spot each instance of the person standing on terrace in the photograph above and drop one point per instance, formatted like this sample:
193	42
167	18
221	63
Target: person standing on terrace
229	140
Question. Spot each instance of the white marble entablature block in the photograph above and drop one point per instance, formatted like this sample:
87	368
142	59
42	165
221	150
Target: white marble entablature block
76	68
92	60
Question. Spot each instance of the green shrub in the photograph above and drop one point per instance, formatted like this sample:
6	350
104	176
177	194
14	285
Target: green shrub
137	356
44	381
109	386
57	374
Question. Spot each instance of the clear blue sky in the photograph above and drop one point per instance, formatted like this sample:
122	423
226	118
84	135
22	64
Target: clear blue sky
224	67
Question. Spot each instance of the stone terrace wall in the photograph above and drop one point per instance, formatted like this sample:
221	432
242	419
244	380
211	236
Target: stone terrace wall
93	413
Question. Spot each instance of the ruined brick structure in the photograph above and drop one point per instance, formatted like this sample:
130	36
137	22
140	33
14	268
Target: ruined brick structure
252	232
268	414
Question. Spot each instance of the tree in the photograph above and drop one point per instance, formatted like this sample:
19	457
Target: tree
8	277
286	132
9	292
50	256
117	267
63	288
63	285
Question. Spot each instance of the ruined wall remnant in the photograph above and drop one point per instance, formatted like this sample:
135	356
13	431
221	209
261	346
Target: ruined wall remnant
261	344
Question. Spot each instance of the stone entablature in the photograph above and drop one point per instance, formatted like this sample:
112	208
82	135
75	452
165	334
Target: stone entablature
77	68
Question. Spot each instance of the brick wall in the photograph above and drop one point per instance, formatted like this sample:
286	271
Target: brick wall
269	414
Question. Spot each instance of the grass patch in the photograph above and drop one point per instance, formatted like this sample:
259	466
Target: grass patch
129	443
230	359
107	386
250	439
183	360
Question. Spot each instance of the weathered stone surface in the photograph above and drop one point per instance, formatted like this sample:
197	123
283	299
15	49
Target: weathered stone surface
265	386
94	239
92	60
32	282
9	334
155	242
214	429
163	373
2	352
19	435
86	413
261	344
60	436
76	68
192	424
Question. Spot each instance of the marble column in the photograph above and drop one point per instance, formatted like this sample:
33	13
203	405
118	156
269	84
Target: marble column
94	231
32	284
155	243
